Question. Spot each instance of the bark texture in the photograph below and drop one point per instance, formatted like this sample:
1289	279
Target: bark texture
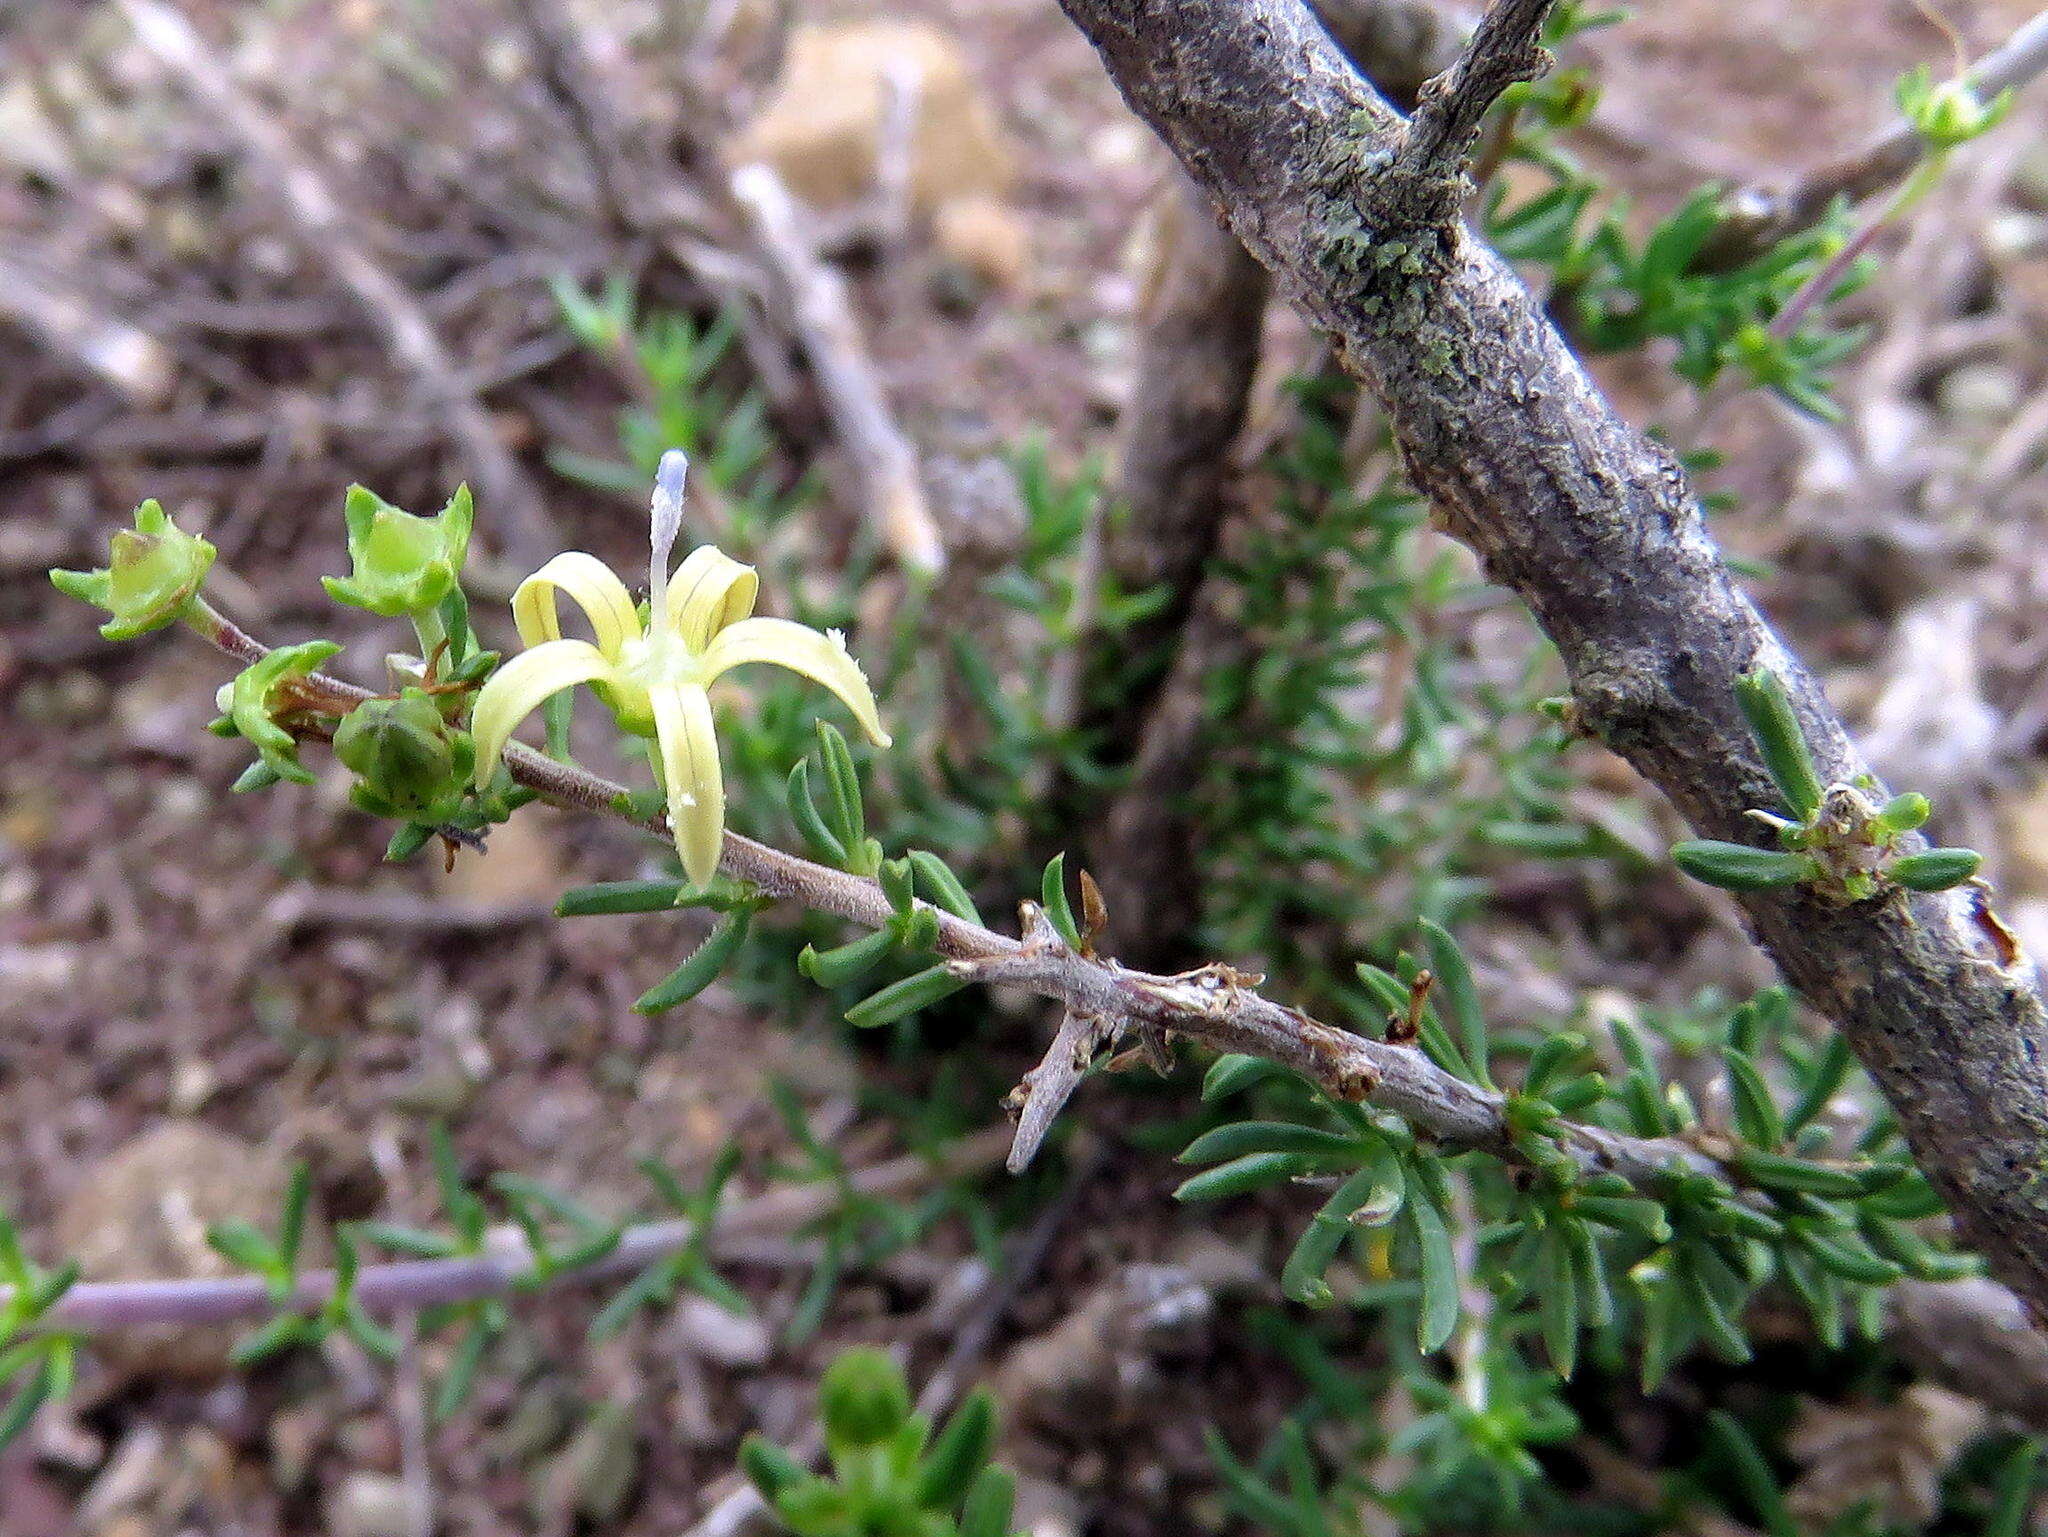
1595	528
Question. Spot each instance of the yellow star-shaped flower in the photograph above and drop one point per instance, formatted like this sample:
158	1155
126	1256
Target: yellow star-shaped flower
655	680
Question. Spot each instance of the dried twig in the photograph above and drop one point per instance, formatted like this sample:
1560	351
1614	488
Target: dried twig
70	324
883	463
328	234
505	1266
1504	49
1046	1089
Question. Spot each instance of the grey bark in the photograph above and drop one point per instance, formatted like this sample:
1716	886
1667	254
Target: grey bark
1595	528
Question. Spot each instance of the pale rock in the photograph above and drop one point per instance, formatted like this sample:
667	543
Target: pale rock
987	239
142	1213
705	1329
1980	394
371	1505
821	128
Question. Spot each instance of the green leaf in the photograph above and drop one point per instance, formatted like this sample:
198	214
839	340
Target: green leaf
2012	1489
1629	1214
1818	1289
1234	1073
943	885
28	1398
1557	1301
1667	1324
846	963
407	841
611	897
1710	1317
241	1243
1935	870
1589	1265
1904	813
1756	1114
1778	1171
257	776
770	1469
284	1332
1301	1278
958	1453
456	1384
701	969
292	1230
1438	1272
1053	888
1829	1071
408	1241
824	843
842	784
1738	867
1752	1473
893	1002
1234	1141
989	1503
1461	998
1848	1257
1244	1174
1552	1055
1768	708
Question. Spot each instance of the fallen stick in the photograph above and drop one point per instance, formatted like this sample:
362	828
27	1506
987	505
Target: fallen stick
883	462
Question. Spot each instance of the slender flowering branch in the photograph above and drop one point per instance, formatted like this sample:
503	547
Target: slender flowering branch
1213	1005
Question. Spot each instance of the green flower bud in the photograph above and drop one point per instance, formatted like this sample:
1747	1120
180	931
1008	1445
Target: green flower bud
154	572
863	1398
408	762
260	691
403	564
1946	113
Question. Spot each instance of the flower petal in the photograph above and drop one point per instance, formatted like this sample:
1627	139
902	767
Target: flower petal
709	591
690	774
517	689
819	655
614	619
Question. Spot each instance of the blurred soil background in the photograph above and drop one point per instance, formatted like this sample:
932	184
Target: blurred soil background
195	990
